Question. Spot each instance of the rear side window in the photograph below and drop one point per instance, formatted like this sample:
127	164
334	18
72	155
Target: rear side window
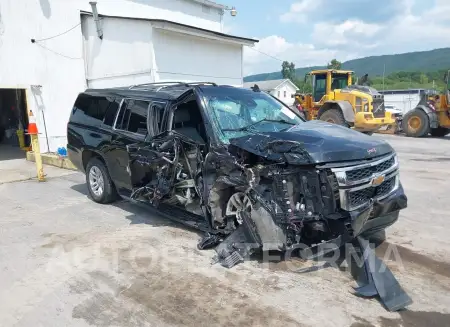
90	109
133	117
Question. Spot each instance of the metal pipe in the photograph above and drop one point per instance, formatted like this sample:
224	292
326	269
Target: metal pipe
96	19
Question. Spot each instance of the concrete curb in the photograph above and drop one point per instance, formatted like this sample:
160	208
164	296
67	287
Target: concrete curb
53	160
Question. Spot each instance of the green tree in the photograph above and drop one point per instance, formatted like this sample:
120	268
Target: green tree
304	86
334	64
288	70
423	79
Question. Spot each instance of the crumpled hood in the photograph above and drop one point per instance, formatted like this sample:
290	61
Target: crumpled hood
313	142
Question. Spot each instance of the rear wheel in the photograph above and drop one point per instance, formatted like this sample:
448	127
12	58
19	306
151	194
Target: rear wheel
334	116
99	183
416	123
439	132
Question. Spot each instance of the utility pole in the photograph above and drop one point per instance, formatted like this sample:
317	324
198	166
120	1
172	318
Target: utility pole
384	72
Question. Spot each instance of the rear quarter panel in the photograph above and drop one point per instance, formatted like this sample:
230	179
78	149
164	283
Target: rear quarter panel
82	138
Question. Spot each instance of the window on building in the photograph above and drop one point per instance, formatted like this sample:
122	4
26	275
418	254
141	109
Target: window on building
284	94
133	117
279	93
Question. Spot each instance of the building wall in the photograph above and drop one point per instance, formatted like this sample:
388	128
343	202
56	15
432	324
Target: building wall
284	93
176	59
155	55
123	57
57	65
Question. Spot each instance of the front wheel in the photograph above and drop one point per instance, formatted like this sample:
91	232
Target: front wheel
334	116
439	132
416	123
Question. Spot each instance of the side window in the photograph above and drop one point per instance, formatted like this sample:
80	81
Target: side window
133	117
320	87
111	112
157	109
91	109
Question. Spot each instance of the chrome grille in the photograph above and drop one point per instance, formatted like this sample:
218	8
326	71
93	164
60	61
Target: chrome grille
357	174
378	106
360	197
360	183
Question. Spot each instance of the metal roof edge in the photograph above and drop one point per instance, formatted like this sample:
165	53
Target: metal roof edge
88	13
211	4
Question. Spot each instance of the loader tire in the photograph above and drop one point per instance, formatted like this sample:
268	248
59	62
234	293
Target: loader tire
439	132
416	123
334	116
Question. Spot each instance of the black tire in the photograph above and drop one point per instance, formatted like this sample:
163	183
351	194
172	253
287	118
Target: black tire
439	132
334	116
97	169
368	133
416	123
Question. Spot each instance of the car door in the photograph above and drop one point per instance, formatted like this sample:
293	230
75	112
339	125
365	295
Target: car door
130	128
152	161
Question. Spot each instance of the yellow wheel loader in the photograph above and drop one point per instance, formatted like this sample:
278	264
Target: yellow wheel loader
431	116
334	99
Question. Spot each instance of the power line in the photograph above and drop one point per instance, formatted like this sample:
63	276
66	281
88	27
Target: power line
268	55
57	53
52	37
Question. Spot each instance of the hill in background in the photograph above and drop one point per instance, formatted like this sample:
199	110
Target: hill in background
421	61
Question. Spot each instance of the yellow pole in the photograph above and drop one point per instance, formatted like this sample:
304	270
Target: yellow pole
33	132
38	158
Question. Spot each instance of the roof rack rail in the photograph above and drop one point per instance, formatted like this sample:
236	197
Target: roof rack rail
162	85
201	83
153	84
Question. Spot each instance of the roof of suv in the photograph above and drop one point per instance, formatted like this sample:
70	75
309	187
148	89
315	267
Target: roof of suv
163	90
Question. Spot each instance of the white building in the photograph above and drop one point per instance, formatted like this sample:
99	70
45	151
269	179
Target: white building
50	50
283	89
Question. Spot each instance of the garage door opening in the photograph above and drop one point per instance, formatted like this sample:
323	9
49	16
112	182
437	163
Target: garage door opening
13	122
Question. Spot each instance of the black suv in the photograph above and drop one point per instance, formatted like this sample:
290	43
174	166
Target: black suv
236	163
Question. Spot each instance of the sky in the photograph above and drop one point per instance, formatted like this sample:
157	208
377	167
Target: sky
312	32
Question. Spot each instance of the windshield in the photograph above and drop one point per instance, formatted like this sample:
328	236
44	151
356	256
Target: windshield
240	112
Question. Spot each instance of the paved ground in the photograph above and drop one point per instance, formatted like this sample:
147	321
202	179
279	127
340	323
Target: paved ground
66	261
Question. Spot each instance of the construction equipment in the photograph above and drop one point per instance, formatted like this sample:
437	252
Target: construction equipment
431	116
334	99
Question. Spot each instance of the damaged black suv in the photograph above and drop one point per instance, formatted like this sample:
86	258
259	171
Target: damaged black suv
214	156
235	163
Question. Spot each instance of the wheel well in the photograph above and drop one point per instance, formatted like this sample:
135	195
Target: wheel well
88	155
327	107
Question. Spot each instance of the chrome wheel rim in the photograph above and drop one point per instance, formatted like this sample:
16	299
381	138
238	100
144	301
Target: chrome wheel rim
96	181
237	203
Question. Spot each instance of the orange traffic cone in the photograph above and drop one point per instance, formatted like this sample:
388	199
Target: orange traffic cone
32	127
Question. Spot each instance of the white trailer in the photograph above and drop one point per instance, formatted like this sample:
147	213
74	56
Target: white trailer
404	100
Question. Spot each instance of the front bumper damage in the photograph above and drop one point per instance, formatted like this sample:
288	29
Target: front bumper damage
261	230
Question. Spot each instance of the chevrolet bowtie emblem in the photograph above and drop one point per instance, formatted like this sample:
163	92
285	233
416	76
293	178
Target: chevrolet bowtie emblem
378	180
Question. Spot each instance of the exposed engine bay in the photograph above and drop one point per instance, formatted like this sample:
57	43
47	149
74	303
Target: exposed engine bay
261	193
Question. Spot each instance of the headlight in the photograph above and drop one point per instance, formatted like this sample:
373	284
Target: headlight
366	107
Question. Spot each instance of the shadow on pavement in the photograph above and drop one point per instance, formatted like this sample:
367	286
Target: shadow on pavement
9	152
139	213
